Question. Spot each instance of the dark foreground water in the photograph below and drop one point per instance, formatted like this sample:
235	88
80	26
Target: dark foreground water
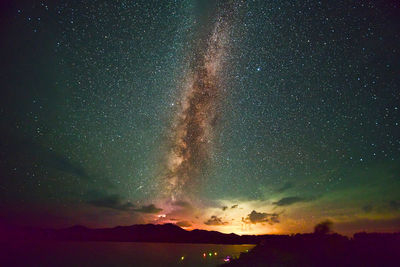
115	254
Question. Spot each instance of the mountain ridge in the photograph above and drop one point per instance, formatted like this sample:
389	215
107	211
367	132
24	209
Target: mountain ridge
169	232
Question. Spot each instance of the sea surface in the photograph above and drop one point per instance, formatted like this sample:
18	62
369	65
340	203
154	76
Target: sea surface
44	253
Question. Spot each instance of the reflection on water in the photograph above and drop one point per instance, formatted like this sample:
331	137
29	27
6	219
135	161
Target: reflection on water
116	254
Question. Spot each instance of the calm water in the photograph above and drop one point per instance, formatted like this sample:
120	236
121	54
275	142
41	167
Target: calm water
115	254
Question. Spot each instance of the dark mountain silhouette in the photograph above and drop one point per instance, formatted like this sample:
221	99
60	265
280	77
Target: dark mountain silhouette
319	249
135	233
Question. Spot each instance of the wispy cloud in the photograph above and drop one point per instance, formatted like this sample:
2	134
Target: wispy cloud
261	217
148	209
112	201
285	187
214	220
287	201
184	224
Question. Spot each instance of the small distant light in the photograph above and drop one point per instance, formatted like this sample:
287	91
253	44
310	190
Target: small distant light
247	250
215	253
204	254
182	258
210	254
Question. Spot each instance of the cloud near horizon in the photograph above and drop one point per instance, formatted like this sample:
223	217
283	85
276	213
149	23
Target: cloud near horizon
182	204
367	208
261	217
285	187
148	209
394	205
184	224
287	201
214	220
114	201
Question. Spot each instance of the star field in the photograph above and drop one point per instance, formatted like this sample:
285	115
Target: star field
307	117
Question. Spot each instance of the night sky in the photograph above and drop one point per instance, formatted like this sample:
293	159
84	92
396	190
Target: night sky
238	116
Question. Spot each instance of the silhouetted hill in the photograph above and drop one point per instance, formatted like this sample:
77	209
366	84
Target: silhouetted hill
324	250
135	233
374	249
